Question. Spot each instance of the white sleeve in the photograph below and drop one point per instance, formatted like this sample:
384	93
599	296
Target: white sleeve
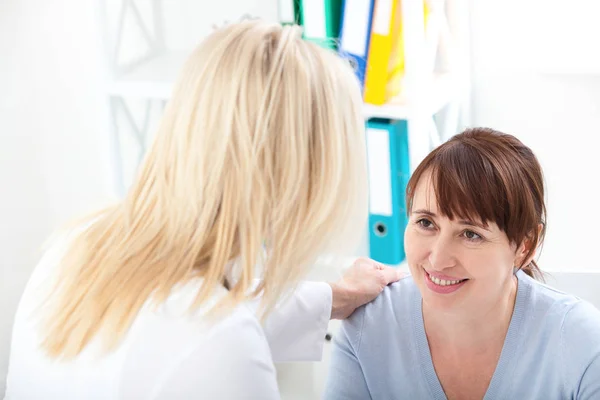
233	363
296	328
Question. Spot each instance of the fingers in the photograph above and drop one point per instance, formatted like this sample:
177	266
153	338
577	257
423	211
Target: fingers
390	274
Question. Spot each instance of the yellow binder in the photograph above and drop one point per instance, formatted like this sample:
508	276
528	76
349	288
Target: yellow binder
385	65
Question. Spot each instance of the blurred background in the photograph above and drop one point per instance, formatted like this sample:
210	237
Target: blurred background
83	83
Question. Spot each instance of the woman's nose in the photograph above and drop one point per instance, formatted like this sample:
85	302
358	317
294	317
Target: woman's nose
441	255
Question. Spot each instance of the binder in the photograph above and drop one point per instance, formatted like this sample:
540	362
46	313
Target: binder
385	65
389	171
288	12
355	34
321	21
386	53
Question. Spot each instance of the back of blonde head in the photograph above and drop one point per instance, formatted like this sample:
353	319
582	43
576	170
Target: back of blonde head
261	147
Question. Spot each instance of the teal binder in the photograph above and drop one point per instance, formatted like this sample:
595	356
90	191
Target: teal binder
389	171
321	21
289	12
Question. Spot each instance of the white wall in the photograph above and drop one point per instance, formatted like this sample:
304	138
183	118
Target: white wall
53	148
557	115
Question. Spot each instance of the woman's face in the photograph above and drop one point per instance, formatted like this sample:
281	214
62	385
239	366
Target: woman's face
459	266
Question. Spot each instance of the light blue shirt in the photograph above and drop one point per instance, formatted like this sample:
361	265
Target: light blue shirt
551	350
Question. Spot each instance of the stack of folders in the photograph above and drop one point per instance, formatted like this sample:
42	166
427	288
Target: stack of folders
369	34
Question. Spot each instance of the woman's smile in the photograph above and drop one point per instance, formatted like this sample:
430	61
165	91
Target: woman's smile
442	284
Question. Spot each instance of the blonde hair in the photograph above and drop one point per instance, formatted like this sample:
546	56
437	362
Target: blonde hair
260	147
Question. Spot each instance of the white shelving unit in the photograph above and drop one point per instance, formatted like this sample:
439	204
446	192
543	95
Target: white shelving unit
429	92
152	79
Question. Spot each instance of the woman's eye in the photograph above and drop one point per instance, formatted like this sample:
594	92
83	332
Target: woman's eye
425	223
472	236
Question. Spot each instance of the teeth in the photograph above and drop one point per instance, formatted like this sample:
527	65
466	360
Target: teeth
442	282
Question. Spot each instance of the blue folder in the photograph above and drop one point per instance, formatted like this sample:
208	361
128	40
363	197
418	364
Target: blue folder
388	163
355	34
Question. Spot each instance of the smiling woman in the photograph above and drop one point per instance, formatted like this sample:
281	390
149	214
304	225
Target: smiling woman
467	203
472	316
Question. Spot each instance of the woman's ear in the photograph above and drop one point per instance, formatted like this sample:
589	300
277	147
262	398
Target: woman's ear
527	250
523	256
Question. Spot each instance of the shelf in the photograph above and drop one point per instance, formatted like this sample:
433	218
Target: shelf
437	92
153	78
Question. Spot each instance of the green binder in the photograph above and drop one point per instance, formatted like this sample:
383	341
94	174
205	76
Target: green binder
321	20
289	12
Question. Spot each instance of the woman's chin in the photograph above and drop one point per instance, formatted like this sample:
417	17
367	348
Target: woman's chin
434	302
443	302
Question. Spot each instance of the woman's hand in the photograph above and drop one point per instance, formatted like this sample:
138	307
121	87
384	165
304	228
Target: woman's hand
361	283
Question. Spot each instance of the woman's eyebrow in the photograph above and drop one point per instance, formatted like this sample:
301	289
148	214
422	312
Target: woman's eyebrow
426	212
462	221
473	223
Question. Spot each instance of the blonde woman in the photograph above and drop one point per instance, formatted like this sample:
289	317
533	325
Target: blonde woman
257	168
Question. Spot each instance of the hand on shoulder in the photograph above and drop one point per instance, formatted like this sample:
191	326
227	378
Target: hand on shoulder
361	283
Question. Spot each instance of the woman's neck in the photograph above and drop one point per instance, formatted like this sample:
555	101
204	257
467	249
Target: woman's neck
472	331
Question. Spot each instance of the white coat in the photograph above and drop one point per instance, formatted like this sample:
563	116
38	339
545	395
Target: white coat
167	354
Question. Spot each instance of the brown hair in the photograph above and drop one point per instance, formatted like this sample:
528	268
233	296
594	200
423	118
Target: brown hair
489	175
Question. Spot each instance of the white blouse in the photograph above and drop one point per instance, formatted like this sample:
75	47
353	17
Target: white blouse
170	355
